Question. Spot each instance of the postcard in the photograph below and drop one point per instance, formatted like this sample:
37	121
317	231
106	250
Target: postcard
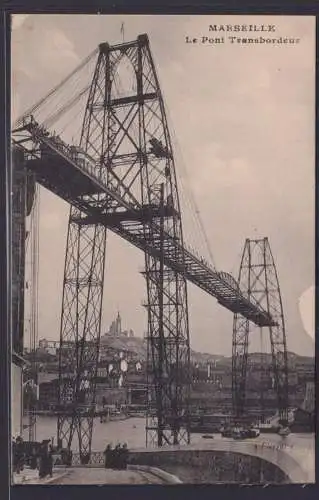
163	241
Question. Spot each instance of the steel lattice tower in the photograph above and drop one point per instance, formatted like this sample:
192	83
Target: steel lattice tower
83	284
259	281
125	135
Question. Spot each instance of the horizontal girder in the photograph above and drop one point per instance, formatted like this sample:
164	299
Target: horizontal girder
76	181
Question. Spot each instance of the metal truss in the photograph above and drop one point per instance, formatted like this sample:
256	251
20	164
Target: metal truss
80	324
83	287
122	177
62	170
258	280
125	137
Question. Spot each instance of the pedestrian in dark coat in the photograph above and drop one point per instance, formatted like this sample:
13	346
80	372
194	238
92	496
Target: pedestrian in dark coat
44	458
50	461
18	455
108	457
33	460
117	456
124	456
42	463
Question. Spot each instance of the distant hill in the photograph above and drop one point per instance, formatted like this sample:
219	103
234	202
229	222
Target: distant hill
134	345
293	359
137	346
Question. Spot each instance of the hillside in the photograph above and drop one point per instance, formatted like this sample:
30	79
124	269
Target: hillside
137	346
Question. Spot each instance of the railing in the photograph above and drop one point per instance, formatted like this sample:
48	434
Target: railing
96	458
220	285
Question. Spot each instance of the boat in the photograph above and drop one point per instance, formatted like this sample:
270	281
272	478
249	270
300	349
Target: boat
208	423
240	432
266	428
226	432
207	436
252	432
284	431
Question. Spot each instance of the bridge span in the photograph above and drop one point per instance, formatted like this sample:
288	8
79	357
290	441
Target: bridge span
293	455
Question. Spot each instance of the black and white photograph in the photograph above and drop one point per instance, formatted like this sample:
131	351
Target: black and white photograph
163	249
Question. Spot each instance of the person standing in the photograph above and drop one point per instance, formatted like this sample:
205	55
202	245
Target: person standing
117	456
43	459
33	460
124	456
42	462
18	455
108	457
50	461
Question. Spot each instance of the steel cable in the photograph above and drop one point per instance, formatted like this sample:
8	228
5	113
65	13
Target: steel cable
65	80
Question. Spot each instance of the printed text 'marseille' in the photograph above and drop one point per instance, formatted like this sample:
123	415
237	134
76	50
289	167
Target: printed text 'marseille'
269	28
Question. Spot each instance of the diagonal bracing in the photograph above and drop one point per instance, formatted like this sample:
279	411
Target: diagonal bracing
122	176
258	278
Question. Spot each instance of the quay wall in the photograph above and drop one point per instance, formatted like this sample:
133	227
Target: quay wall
212	466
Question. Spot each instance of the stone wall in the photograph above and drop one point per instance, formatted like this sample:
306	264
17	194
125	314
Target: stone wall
212	466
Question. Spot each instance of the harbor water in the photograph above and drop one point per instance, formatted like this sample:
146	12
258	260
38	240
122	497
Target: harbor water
132	432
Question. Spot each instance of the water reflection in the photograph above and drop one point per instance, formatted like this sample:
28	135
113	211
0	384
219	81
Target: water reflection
132	432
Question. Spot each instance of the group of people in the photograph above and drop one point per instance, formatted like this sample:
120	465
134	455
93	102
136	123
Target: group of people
39	457
116	458
18	455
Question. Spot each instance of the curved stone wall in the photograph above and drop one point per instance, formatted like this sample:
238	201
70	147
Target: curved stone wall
212	466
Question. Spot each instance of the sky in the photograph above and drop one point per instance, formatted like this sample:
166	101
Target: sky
243	121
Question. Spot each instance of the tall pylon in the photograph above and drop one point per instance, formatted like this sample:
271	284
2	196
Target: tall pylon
258	280
121	176
125	134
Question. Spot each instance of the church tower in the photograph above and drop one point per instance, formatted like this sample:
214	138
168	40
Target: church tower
118	324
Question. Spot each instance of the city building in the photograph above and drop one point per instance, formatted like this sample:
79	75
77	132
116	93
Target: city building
50	346
115	329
